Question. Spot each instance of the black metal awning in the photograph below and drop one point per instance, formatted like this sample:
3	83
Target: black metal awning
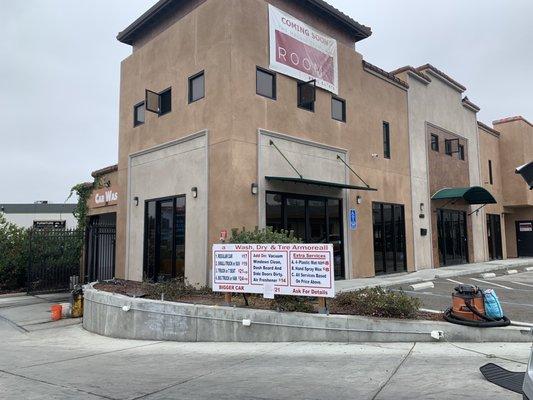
526	171
318	183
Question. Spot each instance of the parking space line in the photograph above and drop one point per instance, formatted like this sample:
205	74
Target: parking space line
459	283
520	283
492	283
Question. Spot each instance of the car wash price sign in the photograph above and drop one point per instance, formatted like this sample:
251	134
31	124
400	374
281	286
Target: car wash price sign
291	269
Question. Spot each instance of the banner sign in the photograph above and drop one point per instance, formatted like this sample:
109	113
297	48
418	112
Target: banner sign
298	50
292	269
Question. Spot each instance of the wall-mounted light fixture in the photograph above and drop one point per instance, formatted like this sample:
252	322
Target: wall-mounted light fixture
136	201
254	189
358	199
421	215
194	192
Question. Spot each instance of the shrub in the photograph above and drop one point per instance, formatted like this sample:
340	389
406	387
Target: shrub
266	235
376	302
13	255
172	289
293	303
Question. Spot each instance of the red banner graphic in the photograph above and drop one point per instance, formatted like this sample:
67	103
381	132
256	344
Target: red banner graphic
304	58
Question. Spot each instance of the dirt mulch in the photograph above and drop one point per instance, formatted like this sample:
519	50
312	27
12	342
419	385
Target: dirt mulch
141	289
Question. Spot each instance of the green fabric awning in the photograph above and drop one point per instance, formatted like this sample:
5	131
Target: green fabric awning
318	183
472	195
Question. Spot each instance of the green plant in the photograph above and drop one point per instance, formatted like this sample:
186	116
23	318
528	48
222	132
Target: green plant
173	289
13	255
265	235
293	303
83	191
376	302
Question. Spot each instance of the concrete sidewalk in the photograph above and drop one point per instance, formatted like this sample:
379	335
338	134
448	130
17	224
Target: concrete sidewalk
431	274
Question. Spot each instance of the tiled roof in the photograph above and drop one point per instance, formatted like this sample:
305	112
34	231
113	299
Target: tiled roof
441	74
385	74
413	70
321	7
511	119
488	128
105	170
469	104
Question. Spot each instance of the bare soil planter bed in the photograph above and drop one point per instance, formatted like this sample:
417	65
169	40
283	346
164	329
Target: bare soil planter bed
188	294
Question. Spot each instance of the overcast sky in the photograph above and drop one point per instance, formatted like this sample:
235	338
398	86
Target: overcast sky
59	74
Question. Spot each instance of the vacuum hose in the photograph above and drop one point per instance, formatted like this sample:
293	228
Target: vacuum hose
486	321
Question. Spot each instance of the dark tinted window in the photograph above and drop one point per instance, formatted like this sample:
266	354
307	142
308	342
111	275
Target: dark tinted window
265	84
461	152
306	95
338	109
434	142
386	140
165	99
196	87
138	114
491	181
448	146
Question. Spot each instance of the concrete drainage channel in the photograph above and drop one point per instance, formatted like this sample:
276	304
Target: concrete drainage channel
124	317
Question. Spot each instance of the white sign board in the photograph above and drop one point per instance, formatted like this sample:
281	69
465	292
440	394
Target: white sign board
300	51
293	269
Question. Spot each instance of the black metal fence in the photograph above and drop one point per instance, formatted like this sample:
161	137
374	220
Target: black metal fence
54	259
100	251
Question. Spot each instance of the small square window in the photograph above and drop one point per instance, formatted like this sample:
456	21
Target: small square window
461	152
265	83
338	109
434	142
306	95
165	101
138	114
196	87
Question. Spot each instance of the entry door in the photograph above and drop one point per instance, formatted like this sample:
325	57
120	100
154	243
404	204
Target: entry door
494	236
453	240
164	249
524	238
389	238
313	219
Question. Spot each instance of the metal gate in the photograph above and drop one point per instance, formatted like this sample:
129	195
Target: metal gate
54	259
100	239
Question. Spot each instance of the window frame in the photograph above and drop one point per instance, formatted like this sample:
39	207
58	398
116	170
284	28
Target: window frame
448	147
190	86
343	102
437	142
161	93
461	151
299	84
386	140
491	177
136	122
274	82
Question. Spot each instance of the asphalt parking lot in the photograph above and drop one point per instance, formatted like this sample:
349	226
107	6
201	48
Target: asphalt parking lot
514	291
40	359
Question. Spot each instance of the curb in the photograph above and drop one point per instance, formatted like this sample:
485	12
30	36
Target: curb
124	317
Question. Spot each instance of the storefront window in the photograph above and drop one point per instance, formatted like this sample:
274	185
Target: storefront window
389	238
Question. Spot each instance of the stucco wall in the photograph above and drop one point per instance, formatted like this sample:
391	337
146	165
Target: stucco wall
228	40
439	104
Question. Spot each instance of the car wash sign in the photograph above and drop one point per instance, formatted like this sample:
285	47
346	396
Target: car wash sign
298	50
290	269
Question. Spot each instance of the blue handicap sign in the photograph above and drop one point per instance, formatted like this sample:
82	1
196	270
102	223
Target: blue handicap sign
353	219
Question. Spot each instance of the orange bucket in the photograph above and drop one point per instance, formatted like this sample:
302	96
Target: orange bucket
55	311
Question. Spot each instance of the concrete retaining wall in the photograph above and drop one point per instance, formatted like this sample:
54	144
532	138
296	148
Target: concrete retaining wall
160	320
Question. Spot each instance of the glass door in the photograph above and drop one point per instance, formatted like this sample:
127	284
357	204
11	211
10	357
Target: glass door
494	236
389	238
313	219
452	237
164	245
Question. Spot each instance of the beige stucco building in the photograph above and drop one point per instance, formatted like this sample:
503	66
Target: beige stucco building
217	159
256	113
